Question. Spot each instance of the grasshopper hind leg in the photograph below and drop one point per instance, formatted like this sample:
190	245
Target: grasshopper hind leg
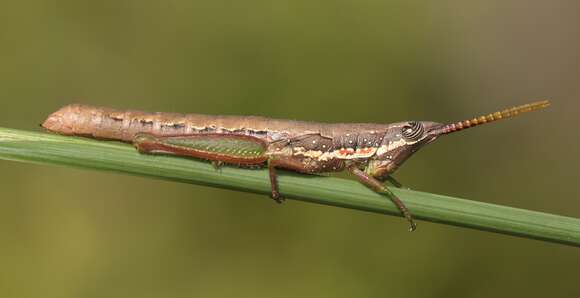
241	150
219	148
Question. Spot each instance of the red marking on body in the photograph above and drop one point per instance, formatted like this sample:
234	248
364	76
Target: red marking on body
366	150
345	151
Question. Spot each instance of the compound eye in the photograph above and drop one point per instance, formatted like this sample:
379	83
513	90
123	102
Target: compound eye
413	131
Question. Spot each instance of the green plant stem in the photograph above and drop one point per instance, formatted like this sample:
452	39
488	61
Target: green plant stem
46	148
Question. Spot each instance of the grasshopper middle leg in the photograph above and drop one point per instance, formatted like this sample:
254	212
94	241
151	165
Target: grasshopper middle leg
288	163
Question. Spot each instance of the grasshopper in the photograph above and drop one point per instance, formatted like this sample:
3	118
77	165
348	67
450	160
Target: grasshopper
371	152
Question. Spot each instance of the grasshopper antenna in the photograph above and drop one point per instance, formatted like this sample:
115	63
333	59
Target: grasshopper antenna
504	114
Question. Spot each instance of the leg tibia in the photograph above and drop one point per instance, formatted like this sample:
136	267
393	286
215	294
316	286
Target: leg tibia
377	186
274	181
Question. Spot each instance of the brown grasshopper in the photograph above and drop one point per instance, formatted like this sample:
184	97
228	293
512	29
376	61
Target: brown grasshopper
372	152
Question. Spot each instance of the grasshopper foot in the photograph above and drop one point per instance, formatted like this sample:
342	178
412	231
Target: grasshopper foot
274	181
277	197
377	186
217	164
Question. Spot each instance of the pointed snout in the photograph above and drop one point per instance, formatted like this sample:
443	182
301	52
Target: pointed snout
433	130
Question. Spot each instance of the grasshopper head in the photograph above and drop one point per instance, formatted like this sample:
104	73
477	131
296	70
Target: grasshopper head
403	139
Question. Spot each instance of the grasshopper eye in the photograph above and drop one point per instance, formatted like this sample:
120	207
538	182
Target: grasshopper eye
413	131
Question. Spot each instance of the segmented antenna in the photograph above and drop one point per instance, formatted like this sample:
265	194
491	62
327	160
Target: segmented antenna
507	113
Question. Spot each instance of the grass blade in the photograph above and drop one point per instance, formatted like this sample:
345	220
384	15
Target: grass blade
45	148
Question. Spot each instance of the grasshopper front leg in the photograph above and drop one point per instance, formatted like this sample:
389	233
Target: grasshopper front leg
394	182
378	187
218	148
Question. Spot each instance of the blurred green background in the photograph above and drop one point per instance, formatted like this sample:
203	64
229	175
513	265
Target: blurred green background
67	232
